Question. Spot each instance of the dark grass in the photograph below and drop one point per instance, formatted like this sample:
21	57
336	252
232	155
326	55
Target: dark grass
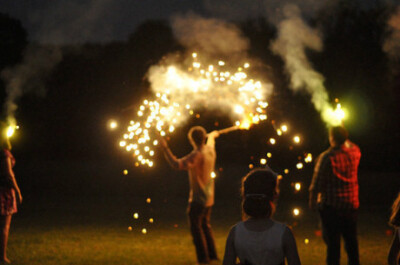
81	216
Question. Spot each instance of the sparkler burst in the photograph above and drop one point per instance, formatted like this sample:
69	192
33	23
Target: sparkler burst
180	90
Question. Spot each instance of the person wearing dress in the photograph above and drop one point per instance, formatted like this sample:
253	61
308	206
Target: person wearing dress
9	193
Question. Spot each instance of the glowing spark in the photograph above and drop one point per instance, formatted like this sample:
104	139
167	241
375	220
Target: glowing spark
263	161
136	215
151	220
296	212
246	65
213	175
144	231
129	228
297	186
194	55
286	171
251	166
125	172
148	200
122	143
269	155
299	165
306	241
279	132
296	139
272	141
113	125
308	158
284	128
10	131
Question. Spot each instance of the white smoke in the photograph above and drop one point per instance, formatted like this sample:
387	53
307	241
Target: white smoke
212	36
28	77
294	37
392	44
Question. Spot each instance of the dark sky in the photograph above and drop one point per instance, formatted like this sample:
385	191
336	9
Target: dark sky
66	21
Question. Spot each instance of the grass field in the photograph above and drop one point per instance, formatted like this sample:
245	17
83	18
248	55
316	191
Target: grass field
96	232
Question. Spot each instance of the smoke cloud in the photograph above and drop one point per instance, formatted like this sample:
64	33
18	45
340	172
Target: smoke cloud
212	36
392	44
294	37
28	77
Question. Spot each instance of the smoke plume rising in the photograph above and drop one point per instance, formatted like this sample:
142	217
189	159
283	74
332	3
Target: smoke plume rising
212	36
28	77
294	37
392	44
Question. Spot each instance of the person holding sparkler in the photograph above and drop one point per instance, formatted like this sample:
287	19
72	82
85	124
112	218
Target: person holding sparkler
394	252
8	191
259	240
200	165
334	192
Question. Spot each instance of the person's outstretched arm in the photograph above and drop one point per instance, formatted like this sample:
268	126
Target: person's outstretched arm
169	156
394	249
211	138
230	254
290	248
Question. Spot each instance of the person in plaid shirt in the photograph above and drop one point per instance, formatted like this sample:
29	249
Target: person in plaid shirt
334	192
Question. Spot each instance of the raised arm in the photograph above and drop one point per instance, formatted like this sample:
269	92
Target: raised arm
394	249
290	248
211	138
169	156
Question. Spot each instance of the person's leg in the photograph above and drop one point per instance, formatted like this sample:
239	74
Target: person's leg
208	233
196	213
349	232
5	221
331	235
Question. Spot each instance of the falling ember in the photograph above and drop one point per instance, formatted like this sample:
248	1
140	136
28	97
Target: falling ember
125	172
129	228
279	132
113	125
284	128
213	175
136	216
263	161
308	158
148	200
151	220
299	165
177	90
269	155
296	212
297	186
144	231
251	166
296	139
306	241
286	171
272	141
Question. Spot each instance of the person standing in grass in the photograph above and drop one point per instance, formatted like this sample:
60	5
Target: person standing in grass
200	165
394	252
259	240
334	192
9	192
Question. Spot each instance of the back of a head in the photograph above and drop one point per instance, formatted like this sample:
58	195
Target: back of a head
259	189
197	135
339	134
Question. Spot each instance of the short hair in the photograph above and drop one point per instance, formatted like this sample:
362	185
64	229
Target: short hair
197	135
339	134
395	216
259	189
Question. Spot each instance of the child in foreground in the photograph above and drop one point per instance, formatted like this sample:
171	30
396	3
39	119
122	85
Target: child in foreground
259	240
394	252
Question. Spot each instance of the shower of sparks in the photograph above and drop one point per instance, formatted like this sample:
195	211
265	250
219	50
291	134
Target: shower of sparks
178	92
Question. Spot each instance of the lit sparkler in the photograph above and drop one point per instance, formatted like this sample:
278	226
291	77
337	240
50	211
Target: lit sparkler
177	90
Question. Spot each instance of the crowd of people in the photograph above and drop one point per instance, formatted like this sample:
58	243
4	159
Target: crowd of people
258	239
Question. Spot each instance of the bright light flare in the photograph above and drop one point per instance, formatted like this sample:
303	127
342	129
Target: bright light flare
296	211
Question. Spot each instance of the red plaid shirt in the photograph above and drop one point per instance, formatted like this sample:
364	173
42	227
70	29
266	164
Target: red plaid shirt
335	181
